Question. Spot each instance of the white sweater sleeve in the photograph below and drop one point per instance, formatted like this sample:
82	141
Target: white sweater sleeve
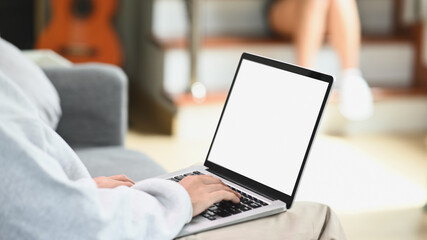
46	193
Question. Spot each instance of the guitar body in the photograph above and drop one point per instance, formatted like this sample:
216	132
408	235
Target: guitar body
81	31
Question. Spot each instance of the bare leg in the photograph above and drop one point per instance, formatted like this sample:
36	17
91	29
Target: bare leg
311	30
344	32
283	17
305	20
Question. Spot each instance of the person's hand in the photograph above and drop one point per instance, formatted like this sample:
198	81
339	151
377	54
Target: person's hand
205	190
113	181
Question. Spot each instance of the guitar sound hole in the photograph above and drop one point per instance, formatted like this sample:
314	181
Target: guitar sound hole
82	8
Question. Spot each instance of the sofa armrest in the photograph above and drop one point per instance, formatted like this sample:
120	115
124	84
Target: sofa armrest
94	104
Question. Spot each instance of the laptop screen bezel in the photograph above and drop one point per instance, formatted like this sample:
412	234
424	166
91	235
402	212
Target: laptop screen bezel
247	182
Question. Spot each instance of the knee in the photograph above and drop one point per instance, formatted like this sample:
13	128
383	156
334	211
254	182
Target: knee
326	210
323	206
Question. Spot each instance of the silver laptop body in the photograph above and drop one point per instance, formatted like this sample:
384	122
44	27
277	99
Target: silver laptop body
262	140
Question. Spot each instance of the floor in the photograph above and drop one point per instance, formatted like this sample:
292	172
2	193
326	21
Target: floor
375	182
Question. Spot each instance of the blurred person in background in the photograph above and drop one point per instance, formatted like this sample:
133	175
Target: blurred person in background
307	22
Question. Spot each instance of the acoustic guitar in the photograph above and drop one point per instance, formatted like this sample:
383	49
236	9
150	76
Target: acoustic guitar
81	31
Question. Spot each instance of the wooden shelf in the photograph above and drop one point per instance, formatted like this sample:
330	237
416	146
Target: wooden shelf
380	94
187	99
231	41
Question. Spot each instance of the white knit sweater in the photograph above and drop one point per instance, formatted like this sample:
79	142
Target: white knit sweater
47	193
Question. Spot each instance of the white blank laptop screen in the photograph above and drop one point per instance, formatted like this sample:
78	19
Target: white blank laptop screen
267	124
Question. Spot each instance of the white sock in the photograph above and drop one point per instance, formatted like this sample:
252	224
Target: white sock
356	101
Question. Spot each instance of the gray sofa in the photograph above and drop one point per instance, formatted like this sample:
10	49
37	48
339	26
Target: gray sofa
94	119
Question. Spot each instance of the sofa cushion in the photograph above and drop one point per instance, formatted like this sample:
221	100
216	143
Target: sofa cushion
32	81
108	161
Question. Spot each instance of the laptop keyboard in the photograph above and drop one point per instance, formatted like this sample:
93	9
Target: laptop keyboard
226	208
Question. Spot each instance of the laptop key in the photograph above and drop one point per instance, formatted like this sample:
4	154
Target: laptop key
246	201
233	211
173	179
222	213
208	216
211	213
213	208
224	204
254	205
180	177
244	208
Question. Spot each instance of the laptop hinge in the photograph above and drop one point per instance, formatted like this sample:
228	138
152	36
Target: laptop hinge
237	183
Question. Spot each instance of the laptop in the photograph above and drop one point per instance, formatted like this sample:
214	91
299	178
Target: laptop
262	140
